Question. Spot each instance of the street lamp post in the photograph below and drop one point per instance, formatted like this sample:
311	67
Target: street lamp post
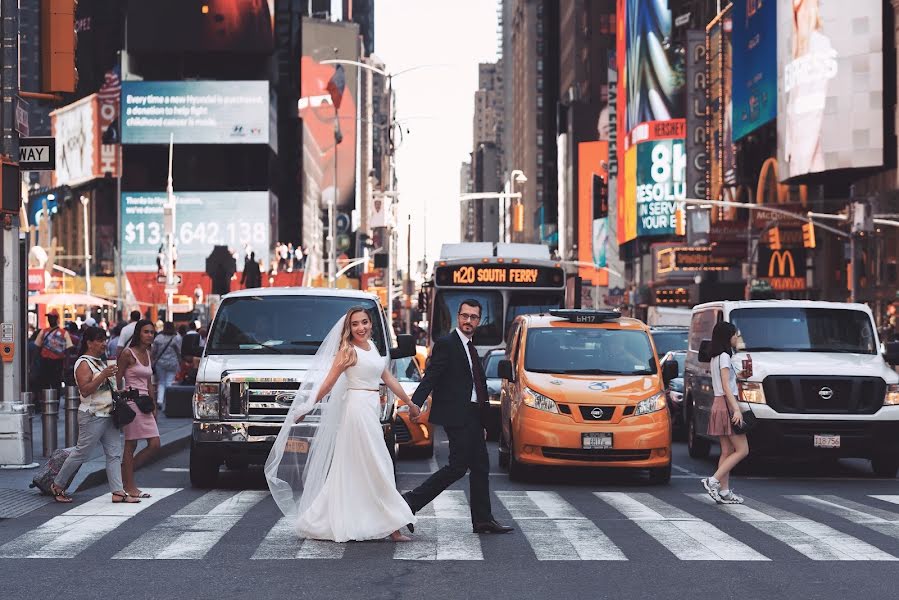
516	176
87	253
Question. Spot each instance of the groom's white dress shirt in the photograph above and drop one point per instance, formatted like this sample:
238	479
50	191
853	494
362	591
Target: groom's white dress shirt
465	340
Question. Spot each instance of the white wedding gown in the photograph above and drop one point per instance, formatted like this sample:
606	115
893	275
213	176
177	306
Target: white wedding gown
359	499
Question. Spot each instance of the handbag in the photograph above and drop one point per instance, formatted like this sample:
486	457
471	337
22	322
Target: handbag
161	354
122	414
749	422
145	404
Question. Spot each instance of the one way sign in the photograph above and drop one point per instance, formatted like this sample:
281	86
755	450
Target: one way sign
37	153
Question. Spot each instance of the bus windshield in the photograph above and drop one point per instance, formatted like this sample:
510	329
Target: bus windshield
490	328
529	303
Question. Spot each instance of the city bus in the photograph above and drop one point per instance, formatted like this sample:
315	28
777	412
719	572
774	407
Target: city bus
507	279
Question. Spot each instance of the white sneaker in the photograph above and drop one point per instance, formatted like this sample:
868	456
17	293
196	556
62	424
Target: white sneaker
731	498
713	488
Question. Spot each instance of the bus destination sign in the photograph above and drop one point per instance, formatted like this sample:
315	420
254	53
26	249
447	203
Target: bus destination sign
499	275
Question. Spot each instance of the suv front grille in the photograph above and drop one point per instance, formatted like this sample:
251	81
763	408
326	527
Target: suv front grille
597	413
824	394
258	398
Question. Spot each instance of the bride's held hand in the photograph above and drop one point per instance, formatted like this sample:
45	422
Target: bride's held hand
414	411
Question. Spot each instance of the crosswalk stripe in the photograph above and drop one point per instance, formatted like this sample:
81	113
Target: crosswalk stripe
891	498
72	532
685	536
816	541
555	529
875	519
443	532
195	529
283	542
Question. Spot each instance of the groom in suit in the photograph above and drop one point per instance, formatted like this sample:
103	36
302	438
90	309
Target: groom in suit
459	403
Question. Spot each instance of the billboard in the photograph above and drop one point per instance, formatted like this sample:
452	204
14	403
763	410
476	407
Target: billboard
81	154
655	65
697	150
661	185
196	112
592	199
829	86
754	75
202	220
317	111
719	116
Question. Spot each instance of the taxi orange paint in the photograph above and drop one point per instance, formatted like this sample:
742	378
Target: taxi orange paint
583	388
414	439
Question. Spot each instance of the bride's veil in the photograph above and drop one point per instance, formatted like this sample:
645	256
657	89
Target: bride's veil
298	463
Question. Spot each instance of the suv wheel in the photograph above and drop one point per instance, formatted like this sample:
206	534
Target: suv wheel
204	469
885	466
660	474
697	447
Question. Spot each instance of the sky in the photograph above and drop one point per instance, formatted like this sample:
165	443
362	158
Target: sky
435	104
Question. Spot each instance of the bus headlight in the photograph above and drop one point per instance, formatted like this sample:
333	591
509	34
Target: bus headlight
539	401
206	401
892	395
650	405
752	392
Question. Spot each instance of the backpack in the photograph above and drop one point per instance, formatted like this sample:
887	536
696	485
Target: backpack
54	346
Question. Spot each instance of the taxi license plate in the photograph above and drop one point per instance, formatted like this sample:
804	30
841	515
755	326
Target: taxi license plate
596	441
296	445
827	441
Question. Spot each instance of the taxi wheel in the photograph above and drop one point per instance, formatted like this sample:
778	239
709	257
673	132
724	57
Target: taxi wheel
696	446
502	450
517	471
660	475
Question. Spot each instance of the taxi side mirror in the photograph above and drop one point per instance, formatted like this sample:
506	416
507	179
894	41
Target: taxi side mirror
504	369
669	372
405	346
705	351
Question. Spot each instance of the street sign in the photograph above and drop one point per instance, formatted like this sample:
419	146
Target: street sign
22	118
162	279
37	153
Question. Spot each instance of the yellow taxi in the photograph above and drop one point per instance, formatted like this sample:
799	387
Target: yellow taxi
413	439
583	388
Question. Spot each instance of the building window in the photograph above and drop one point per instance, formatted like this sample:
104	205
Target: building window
539	65
539	101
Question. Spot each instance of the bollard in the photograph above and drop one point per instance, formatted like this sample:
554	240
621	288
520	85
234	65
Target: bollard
49	420
27	402
73	401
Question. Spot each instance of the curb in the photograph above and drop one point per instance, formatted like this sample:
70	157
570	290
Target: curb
93	472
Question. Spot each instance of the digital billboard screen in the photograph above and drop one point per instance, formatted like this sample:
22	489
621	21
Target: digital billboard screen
196	112
661	185
829	86
239	220
754	40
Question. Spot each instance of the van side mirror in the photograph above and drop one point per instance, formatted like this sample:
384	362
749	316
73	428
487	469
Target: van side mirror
669	372
891	354
504	369
405	346
705	351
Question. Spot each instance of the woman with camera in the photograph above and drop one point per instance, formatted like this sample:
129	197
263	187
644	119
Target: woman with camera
95	425
135	373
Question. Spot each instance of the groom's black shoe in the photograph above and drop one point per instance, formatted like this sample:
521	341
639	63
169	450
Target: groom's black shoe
491	527
409	526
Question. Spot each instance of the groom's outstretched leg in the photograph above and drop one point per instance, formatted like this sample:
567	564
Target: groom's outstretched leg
479	478
456	468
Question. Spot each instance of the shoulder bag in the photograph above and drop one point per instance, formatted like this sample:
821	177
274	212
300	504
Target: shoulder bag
121	413
161	354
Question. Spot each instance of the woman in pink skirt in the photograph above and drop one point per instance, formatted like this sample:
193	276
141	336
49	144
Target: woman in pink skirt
725	414
135	371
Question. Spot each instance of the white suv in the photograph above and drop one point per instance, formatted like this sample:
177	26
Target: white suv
819	386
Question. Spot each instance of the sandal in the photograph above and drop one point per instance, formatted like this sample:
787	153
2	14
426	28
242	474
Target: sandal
59	495
142	494
123	498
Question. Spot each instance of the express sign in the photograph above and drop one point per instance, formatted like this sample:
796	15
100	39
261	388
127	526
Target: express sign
494	275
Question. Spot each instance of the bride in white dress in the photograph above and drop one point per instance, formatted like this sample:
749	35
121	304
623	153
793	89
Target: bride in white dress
340	485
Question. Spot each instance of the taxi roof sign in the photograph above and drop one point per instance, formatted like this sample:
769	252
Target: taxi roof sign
586	315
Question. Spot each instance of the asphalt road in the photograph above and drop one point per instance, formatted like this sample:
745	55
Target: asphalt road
600	535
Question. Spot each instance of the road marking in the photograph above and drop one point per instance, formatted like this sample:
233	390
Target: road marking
875	519
195	529
72	532
283	542
176	470
683	470
685	536
816	541
555	529
442	532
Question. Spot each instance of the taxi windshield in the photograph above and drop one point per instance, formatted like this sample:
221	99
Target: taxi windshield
588	351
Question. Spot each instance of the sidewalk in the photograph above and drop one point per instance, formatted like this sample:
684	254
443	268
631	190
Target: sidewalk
16	499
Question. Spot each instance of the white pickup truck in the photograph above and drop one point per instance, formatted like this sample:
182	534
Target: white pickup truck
259	346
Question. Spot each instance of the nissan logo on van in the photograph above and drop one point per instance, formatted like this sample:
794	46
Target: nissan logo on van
597	413
825	393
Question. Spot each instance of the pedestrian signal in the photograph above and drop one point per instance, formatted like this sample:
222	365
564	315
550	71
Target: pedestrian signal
808	235
774	238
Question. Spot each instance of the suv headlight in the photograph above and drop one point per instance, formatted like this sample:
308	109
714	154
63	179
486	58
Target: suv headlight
752	392
650	405
539	401
892	395
206	401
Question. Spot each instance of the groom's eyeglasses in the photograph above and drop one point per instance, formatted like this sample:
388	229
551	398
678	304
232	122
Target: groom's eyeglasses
468	317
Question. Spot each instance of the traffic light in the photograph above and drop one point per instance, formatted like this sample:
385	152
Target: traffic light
58	41
774	238
600	197
518	218
808	235
10	187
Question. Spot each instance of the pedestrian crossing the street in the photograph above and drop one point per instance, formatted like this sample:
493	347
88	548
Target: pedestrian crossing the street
178	524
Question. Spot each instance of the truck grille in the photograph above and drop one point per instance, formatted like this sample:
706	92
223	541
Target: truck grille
257	398
823	394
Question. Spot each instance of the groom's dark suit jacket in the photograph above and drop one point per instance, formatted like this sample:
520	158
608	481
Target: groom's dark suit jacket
448	380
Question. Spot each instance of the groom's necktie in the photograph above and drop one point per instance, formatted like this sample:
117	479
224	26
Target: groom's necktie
477	375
